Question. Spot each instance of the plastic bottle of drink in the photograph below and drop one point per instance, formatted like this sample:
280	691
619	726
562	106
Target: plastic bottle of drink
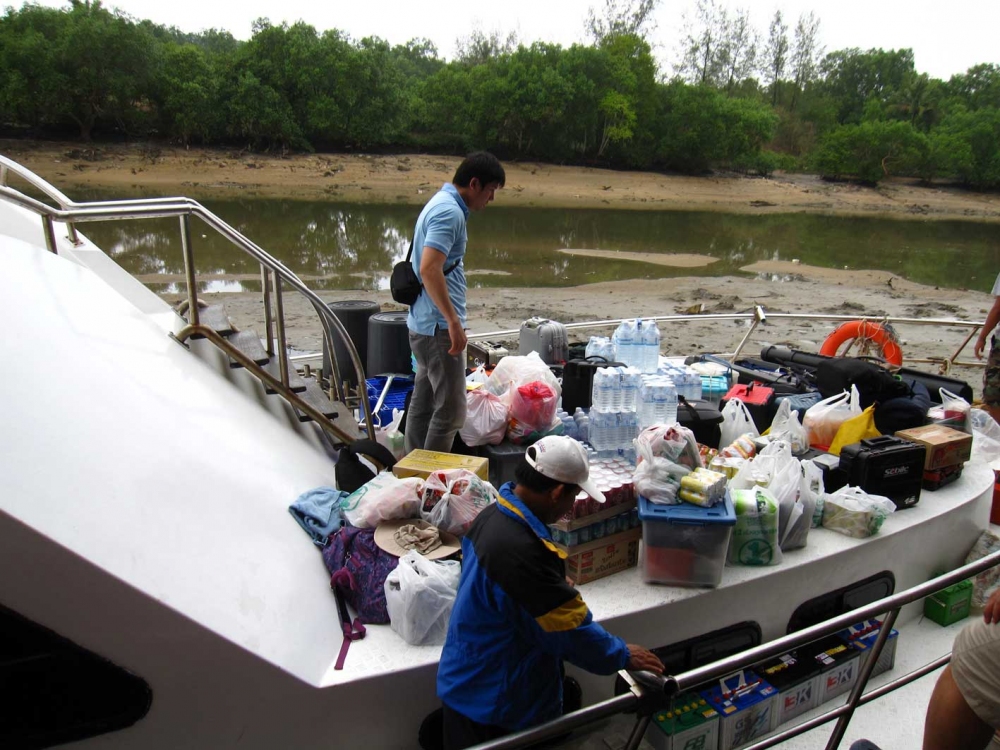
583	429
650	346
630	388
642	403
601	392
593	346
625	342
669	402
615	387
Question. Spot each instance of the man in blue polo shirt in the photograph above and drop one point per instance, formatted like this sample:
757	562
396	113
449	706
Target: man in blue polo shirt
437	319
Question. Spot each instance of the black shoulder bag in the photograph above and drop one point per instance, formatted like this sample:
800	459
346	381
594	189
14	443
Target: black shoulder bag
404	284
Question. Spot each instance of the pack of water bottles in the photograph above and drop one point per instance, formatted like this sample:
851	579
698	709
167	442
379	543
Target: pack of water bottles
685	380
637	344
657	402
601	346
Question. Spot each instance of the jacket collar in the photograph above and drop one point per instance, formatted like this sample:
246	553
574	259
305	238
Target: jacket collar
510	505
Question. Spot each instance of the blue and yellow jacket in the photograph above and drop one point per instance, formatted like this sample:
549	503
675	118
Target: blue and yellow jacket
514	621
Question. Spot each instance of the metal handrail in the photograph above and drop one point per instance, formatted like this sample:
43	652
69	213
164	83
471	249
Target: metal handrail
71	212
650	693
753	318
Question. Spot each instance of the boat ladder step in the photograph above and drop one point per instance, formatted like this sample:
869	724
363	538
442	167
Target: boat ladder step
248	342
295	382
215	317
316	398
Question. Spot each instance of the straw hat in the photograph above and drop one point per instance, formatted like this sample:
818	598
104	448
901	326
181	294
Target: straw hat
400	536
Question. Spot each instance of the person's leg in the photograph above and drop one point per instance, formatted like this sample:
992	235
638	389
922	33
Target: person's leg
461	732
446	373
422	400
950	723
991	382
964	709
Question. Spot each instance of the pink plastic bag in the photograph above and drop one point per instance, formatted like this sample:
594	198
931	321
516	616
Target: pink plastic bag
485	418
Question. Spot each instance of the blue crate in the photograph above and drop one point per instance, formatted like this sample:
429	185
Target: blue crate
394	399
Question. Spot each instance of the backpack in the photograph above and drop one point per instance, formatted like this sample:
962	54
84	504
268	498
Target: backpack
351	473
358	569
874	383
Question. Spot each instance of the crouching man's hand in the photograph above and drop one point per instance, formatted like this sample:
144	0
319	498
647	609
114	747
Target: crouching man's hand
643	658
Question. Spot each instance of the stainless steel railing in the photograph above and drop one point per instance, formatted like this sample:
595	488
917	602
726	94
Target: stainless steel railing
274	276
650	693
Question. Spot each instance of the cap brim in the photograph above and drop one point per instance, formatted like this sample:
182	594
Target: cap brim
385	538
591	489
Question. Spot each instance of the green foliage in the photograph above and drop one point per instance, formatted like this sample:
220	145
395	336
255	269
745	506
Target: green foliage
968	145
701	127
859	115
870	151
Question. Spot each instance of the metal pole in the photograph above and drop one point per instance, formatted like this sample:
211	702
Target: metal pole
282	350
265	284
859	687
192	283
48	228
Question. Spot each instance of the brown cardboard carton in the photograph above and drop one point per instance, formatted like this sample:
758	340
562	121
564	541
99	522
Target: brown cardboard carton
945	446
421	463
602	557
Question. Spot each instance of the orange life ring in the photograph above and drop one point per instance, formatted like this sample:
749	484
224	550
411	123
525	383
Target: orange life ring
864	329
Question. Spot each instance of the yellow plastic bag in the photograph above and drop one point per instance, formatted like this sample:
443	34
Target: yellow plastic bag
854	430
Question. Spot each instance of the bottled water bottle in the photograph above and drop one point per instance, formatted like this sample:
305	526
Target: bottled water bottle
601	392
625	342
583	429
667	401
631	379
615	387
650	347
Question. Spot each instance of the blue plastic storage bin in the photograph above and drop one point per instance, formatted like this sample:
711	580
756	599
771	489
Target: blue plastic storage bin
394	399
685	544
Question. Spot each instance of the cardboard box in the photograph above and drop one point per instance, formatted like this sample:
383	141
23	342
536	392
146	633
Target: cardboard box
945	446
690	723
602	557
748	708
421	463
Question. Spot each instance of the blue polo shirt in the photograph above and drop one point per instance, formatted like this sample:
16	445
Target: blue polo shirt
441	226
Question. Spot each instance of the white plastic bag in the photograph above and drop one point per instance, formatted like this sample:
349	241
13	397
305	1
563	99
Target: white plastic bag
515	370
477	376
384	497
786	426
452	498
812	490
822	420
391	437
853	512
485	418
984	584
736	421
419	596
985	436
954	410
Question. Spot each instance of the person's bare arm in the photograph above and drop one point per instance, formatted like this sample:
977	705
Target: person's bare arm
432	273
991	322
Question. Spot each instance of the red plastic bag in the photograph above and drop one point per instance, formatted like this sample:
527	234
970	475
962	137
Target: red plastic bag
533	405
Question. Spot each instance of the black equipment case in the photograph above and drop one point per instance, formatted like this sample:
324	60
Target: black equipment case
578	381
887	466
703	418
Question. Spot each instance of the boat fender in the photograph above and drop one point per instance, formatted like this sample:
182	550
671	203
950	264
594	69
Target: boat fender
864	329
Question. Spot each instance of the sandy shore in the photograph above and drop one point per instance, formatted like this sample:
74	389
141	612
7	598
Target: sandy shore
778	286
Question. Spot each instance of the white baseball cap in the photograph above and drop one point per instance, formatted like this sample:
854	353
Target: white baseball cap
564	459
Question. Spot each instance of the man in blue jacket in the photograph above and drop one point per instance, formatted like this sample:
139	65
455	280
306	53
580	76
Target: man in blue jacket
517	617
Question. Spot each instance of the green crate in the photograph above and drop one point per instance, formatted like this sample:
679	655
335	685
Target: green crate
949	605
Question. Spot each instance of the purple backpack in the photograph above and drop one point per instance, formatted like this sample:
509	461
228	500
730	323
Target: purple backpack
358	569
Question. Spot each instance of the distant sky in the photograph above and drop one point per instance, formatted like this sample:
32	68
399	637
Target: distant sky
947	36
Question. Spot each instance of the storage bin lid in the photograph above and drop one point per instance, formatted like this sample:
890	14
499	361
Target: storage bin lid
688	513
